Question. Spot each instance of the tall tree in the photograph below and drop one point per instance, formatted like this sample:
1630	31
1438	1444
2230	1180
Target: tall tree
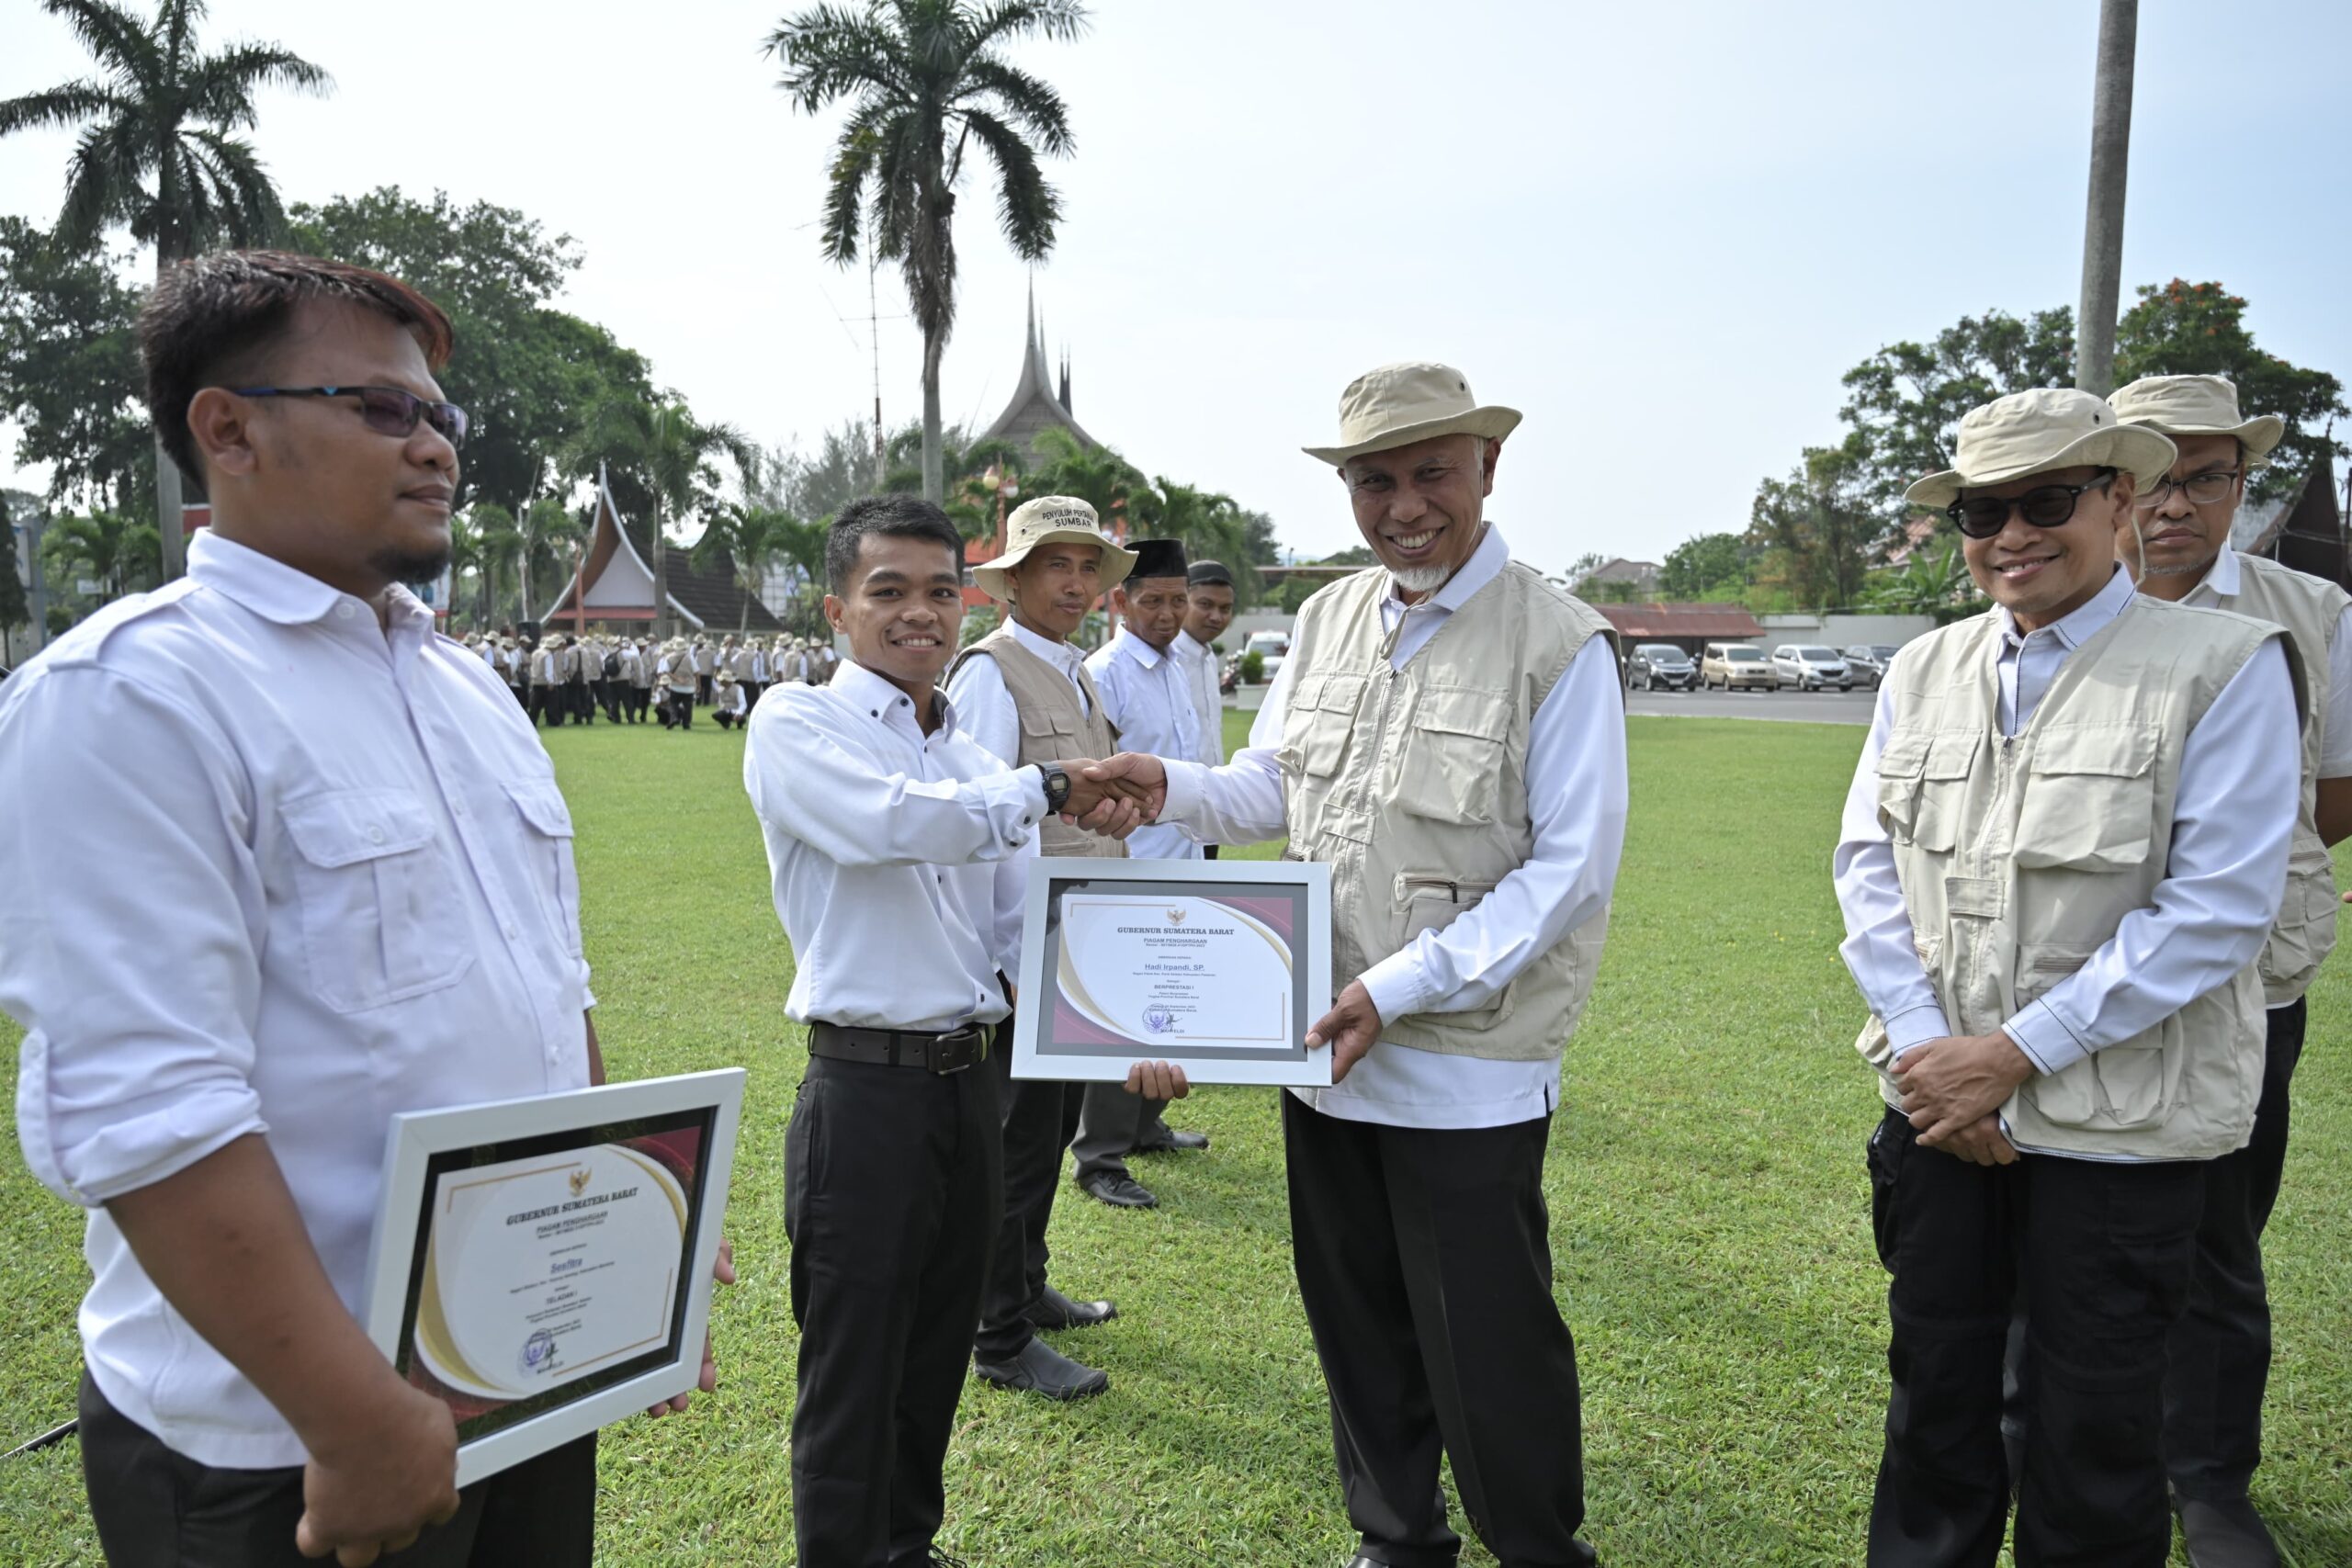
69	371
105	546
1817	527
669	453
500	541
926	80
748	540
158	150
1115	487
2198	329
14	611
1706	564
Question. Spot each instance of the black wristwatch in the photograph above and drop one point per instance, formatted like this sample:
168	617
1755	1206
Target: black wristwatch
1056	785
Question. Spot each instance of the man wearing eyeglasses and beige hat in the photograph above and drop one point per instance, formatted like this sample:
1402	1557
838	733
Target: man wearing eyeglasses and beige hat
1447	734
2177	545
2064	846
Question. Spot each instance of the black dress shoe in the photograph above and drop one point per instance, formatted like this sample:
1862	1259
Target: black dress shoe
1176	1142
2225	1535
1054	1310
1119	1192
1041	1369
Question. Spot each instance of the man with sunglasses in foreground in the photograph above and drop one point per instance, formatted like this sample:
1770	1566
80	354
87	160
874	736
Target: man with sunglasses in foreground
2177	544
2064	846
287	862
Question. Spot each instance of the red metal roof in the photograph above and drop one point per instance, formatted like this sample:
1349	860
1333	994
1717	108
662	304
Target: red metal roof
1680	620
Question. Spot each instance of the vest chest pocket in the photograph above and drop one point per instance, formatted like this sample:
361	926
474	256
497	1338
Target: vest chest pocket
549	821
1049	737
1432	903
2090	801
380	915
1452	766
1319	722
1922	778
2132	1083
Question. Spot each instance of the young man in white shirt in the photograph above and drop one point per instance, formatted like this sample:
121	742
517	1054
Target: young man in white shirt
1148	700
289	863
899	850
1473	853
1208	610
2177	544
2065	842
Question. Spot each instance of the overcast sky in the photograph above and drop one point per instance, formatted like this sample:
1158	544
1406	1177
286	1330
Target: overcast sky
1661	231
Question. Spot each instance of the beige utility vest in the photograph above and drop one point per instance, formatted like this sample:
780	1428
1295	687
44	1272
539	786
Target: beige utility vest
2019	856
1411	786
1054	729
2310	609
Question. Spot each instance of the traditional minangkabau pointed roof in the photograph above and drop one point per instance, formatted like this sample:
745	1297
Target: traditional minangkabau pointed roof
619	579
1035	406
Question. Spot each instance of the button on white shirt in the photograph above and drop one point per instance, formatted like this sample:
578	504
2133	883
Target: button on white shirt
271	870
1576	799
899	859
1198	660
1145	696
2232	817
2218	590
984	705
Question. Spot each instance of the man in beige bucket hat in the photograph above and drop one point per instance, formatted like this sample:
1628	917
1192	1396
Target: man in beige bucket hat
2178	546
2065	844
1448	735
1024	693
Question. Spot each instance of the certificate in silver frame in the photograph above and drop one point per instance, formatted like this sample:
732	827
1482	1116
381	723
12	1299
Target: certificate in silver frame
544	1265
1220	967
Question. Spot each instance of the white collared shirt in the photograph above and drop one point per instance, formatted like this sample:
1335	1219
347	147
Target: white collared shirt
1576	798
271	870
899	859
984	705
1198	660
2220	586
2233	815
1145	696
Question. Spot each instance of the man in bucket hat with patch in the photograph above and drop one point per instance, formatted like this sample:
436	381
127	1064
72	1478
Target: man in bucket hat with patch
1024	693
2177	545
1447	734
2064	846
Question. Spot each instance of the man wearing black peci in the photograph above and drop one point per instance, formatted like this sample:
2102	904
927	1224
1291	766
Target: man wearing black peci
899	850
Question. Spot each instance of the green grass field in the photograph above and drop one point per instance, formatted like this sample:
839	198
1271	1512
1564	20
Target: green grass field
1709	1214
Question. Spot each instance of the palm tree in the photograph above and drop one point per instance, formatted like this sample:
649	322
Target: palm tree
970	476
540	534
926	80
752	538
1099	477
672	452
499	544
106	546
159	150
1213	528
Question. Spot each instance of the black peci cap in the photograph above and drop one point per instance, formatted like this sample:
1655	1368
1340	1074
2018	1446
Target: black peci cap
1157	558
1209	571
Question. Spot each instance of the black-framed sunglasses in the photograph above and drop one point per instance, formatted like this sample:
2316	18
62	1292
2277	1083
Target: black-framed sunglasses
2045	506
388	409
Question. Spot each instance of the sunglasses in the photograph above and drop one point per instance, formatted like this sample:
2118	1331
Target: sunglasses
2045	506
388	409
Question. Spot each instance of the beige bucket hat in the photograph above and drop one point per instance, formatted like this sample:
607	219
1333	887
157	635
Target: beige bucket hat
2198	405
2032	432
1399	404
1047	520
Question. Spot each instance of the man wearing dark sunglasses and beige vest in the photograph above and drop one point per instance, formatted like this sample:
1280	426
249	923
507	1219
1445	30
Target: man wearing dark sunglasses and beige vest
287	863
1447	734
2177	544
2065	845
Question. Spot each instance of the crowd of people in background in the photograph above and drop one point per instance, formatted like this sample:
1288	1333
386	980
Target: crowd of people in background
627	679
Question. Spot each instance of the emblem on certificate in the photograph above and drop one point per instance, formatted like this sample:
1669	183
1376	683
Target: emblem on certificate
544	1265
1220	967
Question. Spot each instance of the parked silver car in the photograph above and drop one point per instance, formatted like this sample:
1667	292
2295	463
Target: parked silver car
1811	669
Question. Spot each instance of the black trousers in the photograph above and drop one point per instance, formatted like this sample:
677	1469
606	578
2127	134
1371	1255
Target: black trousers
584	704
894	1186
1112	1124
703	689
155	1508
1039	1120
1425	1266
681	708
2101	1254
547	706
2219	1361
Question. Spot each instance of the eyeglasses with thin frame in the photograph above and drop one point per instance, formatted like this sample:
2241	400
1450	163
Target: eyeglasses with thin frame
2208	489
2043	507
389	410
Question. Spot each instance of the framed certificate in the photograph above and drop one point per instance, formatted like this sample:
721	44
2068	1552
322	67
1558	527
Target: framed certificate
544	1265
1220	967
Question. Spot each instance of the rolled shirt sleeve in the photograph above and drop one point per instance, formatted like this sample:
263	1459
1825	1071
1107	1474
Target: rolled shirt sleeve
1576	798
129	936
2233	818
1880	949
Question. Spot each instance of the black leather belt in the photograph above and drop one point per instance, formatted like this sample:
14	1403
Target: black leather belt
937	1054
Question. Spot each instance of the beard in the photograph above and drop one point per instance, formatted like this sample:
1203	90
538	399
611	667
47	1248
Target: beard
1423	578
411	567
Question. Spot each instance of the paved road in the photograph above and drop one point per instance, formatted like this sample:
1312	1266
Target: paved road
1789	705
